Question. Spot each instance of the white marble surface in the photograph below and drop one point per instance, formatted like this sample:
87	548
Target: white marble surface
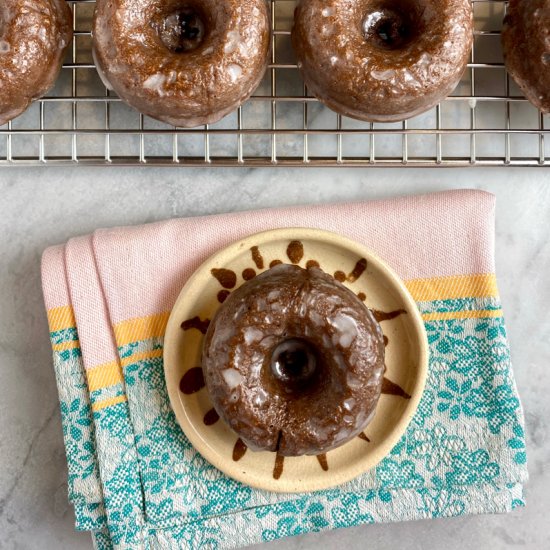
42	207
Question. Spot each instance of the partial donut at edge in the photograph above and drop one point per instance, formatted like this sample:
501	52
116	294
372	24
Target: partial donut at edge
34	36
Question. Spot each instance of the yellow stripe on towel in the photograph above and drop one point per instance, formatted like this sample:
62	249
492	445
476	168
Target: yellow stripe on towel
141	328
422	290
104	376
73	344
60	318
98	405
151	354
450	288
111	373
472	314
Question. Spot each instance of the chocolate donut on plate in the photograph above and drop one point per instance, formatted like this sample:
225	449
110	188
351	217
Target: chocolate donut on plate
294	361
526	48
382	60
34	35
187	62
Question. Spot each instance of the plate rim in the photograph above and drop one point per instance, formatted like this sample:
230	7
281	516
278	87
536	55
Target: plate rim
296	233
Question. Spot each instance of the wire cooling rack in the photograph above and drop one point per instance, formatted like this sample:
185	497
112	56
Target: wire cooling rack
486	121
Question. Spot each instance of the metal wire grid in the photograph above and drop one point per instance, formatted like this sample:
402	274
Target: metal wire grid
486	122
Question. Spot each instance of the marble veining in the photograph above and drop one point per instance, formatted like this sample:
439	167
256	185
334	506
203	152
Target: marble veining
44	207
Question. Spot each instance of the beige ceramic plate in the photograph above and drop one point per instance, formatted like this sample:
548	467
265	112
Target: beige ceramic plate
381	289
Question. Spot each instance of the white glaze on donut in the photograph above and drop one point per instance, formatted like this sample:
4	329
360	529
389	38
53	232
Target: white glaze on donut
526	47
182	88
269	313
358	77
34	35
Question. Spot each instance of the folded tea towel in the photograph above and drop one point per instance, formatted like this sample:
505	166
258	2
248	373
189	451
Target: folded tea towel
136	481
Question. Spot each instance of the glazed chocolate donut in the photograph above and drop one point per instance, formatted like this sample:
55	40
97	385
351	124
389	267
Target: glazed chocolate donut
34	35
382	60
526	48
294	361
187	62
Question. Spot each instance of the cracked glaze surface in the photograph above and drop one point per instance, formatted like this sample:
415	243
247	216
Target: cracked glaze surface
278	306
186	88
526	48
34	35
363	74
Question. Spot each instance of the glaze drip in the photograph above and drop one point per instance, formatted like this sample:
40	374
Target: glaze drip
295	251
192	381
248	274
387	315
223	295
196	323
278	466
239	449
257	257
340	276
211	417
323	461
391	388
358	270
226	277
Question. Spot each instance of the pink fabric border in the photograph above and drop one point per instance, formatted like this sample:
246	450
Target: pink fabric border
144	268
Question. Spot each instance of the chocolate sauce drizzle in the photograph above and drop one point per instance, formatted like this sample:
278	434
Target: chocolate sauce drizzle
387	315
358	270
226	277
295	251
323	461
340	276
239	450
248	274
192	381
211	417
391	388
195	322
278	466
223	295
257	257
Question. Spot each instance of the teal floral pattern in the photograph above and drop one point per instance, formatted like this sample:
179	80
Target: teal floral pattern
517	443
392	474
497	405
137	482
84	486
295	517
436	446
438	501
472	469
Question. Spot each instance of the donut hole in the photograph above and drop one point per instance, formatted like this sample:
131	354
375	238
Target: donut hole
295	364
183	29
392	25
